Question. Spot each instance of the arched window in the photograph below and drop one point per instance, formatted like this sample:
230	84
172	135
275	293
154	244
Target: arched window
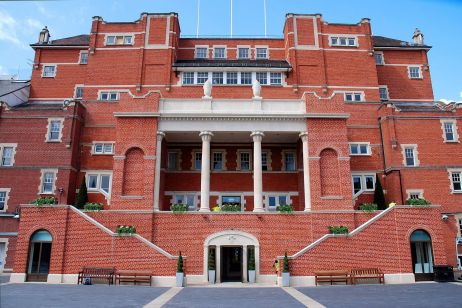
422	255
39	256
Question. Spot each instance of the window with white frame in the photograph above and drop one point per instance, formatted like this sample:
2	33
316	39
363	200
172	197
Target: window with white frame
109	96
7	152
202	53
173	160
49	71
217	77
98	181
456	183
409	152
274	200
264	161
449	128
353	96
360	148
186	199
83	59
231	78
202	77
275	78
262	77
103	148
414	194
362	183
378	55
47	185
78	92
261	53
415	72
188	78
219	52
243	53
246	78
289	161
383	91
119	40
217	161
348	41
4	195
54	130
244	160
197	157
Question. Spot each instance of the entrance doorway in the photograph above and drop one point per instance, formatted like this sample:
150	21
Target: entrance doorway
422	255
231	264
2	256
39	256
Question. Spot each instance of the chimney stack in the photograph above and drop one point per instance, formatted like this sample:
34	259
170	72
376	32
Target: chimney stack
418	37
44	36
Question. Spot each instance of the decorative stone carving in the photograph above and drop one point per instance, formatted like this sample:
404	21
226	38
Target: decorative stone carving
256	89
208	89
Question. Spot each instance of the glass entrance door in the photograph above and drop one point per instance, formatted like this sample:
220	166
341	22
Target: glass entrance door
422	256
39	256
231	264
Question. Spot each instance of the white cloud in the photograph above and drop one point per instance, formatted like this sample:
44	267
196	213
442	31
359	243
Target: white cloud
8	26
3	71
34	24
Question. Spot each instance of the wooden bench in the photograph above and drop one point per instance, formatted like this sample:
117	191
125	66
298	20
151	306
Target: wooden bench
133	276
332	276
97	273
367	273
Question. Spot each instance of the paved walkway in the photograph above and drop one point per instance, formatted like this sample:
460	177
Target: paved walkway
420	295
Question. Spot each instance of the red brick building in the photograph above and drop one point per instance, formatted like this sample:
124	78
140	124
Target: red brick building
150	119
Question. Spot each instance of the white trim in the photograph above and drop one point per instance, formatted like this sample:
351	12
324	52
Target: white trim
454	130
220	46
7	197
419	192
383	58
249	50
124	35
353	94
99	174
346	36
369	150
284	153
239	152
363	176
415	153
3	260
42	175
201	46
267	52
61	126
223	160
386	91
49	65
13	154
177	152
450	172
80	57
75	90
103	143
409	72
109	93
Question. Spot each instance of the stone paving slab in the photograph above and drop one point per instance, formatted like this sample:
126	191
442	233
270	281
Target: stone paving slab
4	278
418	295
232	297
78	296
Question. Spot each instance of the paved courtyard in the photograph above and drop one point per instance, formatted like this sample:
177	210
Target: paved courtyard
415	295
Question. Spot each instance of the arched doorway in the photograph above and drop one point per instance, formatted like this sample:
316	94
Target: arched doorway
39	256
422	255
231	250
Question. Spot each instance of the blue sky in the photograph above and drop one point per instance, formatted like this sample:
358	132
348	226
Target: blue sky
439	20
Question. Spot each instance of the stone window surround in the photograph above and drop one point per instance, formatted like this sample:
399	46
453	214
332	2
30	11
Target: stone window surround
410	191
284	152
178	159
201	46
75	90
47	135
49	65
267	195
7	196
454	127
409	71
383	58
42	175
120	34
220	46
249	50
386	91
98	189
223	156
268	159
238	166
8	145
451	186
239	72
347	36
6	241
172	194
261	47
416	154
93	152
369	150
80	56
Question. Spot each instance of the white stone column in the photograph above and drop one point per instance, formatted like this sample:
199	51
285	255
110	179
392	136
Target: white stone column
160	136
257	172
218	264
244	264
205	171
306	171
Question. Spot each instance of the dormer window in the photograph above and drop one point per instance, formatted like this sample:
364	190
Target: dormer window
202	52
243	53
261	53
219	52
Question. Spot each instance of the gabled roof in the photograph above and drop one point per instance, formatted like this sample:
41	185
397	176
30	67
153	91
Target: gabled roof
382	41
78	40
233	63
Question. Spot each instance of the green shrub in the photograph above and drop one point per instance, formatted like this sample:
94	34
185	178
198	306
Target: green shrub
285	264
44	201
285	208
368	207
418	202
179	208
82	196
231	208
251	265
211	261
93	207
338	229
121	229
179	264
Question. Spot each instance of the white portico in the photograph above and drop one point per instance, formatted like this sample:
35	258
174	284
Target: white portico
254	120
